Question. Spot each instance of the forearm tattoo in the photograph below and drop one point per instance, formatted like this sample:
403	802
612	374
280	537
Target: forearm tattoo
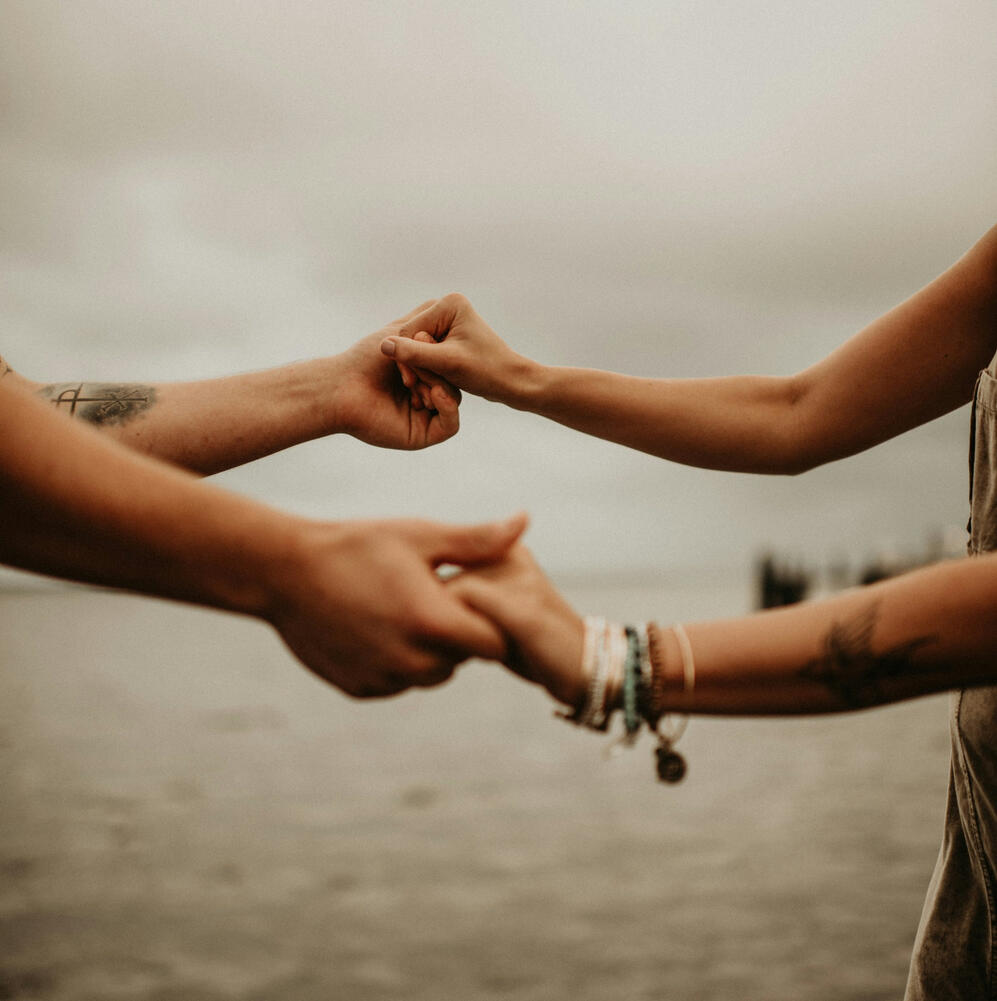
850	670
4	368
103	403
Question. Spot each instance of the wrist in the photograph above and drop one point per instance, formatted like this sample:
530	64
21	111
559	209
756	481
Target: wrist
316	391
570	687
299	401
249	563
524	384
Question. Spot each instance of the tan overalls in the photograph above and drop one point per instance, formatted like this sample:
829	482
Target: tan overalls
955	949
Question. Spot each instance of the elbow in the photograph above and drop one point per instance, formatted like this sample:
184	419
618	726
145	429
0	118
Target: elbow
797	450
792	462
798	465
802	453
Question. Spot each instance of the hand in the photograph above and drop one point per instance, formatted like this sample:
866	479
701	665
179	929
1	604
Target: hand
374	404
449	339
544	635
361	606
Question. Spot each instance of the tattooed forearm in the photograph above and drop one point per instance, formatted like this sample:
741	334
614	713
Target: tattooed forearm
100	402
850	669
4	368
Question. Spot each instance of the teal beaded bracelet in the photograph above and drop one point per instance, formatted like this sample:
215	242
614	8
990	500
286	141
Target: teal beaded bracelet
631	680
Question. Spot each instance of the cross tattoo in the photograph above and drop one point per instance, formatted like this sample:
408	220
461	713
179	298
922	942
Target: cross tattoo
101	403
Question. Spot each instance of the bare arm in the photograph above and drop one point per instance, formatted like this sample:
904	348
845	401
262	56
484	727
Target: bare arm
357	602
209	425
215	424
916	363
923	632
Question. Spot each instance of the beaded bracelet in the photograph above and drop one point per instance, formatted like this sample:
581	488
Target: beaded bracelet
624	668
631	681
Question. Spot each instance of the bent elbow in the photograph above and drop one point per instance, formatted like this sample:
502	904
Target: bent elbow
799	449
799	461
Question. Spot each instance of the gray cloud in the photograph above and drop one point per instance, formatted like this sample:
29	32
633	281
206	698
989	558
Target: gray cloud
683	188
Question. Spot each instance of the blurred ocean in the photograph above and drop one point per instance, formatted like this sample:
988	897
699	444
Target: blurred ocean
186	814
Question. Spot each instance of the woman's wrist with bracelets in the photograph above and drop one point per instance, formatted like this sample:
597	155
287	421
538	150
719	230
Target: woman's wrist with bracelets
644	672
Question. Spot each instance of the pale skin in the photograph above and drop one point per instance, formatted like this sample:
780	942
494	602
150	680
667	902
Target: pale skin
916	634
359	603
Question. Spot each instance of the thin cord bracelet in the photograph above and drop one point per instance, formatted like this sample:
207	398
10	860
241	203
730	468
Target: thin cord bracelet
595	719
614	677
670	764
688	660
595	628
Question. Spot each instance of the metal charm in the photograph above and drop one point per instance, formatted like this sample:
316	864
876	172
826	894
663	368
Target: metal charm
671	764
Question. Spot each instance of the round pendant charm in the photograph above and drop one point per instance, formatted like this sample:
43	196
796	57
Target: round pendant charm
671	764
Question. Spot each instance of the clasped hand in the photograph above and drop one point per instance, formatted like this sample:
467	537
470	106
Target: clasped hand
446	343
399	624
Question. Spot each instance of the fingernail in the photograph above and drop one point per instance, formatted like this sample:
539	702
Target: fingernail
388	347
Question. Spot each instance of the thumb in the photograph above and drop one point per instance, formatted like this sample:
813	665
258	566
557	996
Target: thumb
417	354
469	545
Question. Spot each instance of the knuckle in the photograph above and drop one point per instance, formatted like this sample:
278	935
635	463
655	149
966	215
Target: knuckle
388	683
356	689
464	587
425	624
482	537
433	673
411	665
521	557
415	527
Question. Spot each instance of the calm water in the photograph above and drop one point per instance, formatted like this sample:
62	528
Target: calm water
187	815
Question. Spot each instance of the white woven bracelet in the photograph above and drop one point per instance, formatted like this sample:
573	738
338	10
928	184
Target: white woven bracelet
595	715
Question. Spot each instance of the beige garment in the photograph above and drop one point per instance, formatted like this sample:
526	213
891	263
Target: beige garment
954	955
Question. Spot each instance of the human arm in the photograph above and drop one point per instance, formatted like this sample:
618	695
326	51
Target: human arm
358	602
214	424
922	632
915	363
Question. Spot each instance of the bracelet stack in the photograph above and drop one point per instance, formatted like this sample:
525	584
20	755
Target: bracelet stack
623	668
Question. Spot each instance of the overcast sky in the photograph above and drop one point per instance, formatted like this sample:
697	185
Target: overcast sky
673	188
